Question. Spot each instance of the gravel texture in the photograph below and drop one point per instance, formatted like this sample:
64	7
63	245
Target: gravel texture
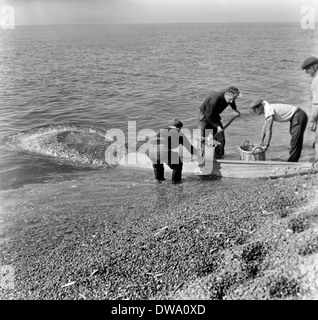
91	238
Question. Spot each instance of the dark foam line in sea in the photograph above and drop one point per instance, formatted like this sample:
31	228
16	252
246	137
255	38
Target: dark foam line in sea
76	144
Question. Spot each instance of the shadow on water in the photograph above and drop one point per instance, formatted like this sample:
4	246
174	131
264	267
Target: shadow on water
37	170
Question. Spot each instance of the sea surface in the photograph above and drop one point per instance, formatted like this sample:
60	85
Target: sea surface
62	88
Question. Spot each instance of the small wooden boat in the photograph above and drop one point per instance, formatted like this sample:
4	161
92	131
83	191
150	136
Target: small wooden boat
232	168
228	168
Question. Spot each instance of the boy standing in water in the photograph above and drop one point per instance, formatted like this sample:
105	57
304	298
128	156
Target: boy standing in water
160	151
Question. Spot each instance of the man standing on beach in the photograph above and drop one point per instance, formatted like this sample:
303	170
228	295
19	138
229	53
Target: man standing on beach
209	117
282	113
311	67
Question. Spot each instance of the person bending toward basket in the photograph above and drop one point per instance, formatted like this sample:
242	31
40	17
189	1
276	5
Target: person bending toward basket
311	67
282	113
161	151
209	117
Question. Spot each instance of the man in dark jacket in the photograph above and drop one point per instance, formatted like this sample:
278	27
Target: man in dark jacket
209	117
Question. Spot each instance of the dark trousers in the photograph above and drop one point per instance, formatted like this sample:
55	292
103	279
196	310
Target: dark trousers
207	128
172	159
297	129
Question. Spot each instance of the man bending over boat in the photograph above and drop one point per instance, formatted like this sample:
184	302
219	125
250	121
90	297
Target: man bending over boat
311	67
160	151
282	113
209	117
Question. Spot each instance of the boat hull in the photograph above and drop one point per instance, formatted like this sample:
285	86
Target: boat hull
260	169
231	168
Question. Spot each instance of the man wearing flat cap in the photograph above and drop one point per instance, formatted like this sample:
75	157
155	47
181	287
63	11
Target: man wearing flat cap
311	67
282	113
209	120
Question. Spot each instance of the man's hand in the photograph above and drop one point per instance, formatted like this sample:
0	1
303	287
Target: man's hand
313	126
237	113
264	146
219	129
198	158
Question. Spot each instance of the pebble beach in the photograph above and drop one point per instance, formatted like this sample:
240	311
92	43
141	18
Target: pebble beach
205	239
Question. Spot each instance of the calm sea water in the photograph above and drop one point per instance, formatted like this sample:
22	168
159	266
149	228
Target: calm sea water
73	77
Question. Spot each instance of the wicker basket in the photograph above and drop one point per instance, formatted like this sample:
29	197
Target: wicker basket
251	152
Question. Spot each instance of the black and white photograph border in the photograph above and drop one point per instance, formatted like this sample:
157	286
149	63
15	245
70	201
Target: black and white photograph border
161	151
